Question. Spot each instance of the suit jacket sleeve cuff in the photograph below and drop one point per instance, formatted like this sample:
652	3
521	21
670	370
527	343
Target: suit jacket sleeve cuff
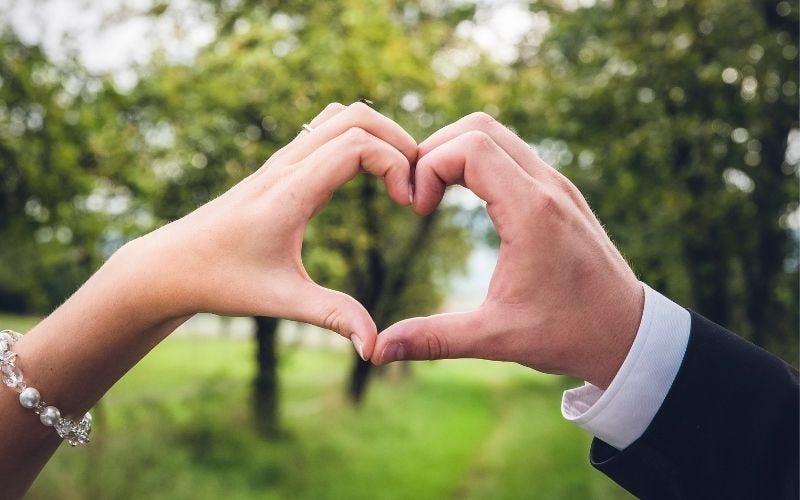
620	415
727	428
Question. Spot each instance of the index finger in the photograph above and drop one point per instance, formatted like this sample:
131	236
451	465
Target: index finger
356	115
474	160
340	159
519	150
328	112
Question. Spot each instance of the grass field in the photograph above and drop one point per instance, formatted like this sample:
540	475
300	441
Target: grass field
178	427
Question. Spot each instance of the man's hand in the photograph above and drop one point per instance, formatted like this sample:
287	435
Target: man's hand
561	300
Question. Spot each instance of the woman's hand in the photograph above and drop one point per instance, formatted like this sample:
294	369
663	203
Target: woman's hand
239	254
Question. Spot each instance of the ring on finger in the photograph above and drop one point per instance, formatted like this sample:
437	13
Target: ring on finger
307	127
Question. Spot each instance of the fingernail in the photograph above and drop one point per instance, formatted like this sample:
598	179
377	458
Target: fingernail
358	344
411	179
393	352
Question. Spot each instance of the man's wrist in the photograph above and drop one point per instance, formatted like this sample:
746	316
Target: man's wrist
619	332
620	414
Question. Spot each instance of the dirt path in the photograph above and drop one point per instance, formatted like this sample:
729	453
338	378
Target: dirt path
478	476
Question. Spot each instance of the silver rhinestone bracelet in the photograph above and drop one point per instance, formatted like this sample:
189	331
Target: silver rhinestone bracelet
74	432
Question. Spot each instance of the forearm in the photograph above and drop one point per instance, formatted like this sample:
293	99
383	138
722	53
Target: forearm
73	357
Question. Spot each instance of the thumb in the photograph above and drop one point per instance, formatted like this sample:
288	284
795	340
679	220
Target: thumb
335	311
452	335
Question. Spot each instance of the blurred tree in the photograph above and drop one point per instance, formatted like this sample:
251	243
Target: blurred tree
64	197
39	178
673	118
265	386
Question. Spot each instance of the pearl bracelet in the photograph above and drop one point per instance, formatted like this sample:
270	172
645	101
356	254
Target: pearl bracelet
29	397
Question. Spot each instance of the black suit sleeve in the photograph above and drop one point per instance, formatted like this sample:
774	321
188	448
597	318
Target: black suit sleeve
728	427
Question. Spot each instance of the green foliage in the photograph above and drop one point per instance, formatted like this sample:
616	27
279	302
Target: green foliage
67	184
673	119
45	163
175	427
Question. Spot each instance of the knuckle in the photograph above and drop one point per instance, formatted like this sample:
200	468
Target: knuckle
437	347
563	183
567	187
479	141
547	204
360	109
335	106
357	136
481	120
332	320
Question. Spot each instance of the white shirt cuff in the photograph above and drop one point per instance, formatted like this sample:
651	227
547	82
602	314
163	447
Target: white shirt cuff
620	414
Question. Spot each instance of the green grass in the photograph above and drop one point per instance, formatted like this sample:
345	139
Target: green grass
16	322
178	426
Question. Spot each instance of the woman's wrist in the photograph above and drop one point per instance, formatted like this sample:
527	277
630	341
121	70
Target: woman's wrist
146	281
104	328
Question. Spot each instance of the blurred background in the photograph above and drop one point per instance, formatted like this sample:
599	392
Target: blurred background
677	119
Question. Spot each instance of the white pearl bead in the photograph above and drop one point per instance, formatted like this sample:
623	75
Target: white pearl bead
29	398
50	415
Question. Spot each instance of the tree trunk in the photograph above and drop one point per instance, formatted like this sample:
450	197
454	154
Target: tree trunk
359	376
704	247
265	386
382	286
369	286
707	264
765	262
